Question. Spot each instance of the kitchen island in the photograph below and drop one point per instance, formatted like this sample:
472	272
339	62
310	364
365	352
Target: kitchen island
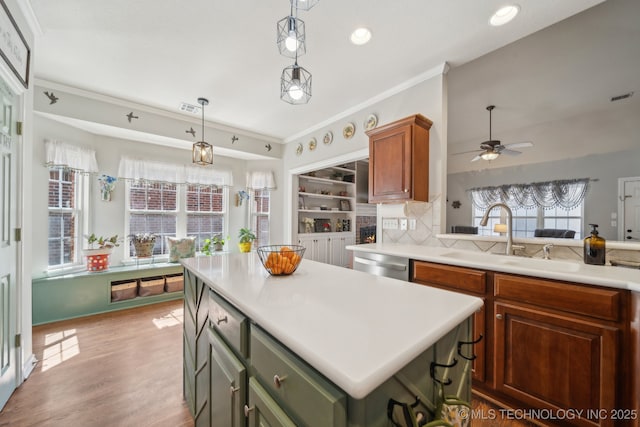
324	346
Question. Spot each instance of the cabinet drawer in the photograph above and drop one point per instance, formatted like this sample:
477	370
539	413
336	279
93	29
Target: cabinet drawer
300	390
230	323
464	279
595	302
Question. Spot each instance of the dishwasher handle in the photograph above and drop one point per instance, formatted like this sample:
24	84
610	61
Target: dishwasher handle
388	265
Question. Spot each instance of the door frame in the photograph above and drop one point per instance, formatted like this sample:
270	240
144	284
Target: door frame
621	200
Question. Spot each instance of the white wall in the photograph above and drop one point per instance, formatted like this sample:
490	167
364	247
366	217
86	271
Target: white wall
108	218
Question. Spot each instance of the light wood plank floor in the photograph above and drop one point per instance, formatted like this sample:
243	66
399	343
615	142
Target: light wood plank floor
115	369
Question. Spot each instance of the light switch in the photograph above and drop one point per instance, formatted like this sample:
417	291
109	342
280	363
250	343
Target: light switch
403	223
412	223
390	223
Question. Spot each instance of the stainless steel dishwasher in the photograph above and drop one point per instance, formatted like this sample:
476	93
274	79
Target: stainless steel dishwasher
382	265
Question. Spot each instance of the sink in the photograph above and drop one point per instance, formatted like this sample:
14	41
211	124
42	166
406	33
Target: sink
514	261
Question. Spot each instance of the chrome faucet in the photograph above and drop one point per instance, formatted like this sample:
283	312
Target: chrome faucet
546	251
485	219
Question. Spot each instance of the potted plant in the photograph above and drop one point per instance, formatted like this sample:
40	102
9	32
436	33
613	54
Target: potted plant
99	250
246	237
217	242
143	243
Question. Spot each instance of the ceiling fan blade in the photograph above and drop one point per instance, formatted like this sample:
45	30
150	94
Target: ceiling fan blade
466	152
476	158
522	144
510	152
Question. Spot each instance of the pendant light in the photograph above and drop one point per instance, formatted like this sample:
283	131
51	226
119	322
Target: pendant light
304	4
202	151
291	36
295	85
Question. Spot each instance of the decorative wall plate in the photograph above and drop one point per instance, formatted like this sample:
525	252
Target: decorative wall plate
312	144
328	138
299	149
349	130
370	122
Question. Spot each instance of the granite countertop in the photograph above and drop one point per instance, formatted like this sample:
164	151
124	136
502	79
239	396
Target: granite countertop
355	328
572	271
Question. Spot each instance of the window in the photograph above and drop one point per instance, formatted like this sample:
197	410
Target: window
167	209
260	206
205	212
153	208
66	202
526	220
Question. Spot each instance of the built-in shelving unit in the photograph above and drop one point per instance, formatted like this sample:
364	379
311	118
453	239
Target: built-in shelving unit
326	212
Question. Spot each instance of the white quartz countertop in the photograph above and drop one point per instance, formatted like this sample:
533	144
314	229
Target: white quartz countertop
355	328
573	271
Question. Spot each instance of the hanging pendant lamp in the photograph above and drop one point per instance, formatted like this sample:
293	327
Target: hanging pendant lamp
291	37
295	85
202	151
304	4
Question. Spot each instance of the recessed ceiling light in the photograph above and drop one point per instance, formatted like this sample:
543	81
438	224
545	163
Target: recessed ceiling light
504	15
360	36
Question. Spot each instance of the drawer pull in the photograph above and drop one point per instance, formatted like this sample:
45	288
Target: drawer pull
278	380
221	320
247	410
233	389
499	316
406	190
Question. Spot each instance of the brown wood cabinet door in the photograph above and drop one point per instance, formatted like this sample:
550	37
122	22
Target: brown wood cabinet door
552	361
390	169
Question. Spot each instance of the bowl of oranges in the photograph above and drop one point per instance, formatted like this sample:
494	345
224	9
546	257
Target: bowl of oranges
280	260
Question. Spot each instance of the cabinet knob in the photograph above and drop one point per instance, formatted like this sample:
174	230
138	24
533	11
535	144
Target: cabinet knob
222	320
247	410
232	390
406	190
499	316
278	380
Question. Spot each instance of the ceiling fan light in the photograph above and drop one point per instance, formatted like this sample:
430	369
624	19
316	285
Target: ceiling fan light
489	155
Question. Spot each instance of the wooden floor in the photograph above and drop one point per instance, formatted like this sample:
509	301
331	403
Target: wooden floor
117	369
120	369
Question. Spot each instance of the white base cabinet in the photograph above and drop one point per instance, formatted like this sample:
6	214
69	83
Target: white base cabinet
329	248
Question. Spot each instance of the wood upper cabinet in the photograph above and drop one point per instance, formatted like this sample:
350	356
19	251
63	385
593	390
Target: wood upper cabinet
399	161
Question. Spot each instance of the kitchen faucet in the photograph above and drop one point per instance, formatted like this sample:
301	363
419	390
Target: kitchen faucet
485	218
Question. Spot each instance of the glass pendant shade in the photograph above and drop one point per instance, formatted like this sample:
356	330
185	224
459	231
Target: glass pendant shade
304	4
291	37
202	152
489	155
295	85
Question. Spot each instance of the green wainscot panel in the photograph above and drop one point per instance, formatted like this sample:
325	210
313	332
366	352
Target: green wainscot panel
83	293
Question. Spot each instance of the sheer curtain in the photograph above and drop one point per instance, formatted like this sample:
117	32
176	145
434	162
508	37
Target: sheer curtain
566	194
261	180
61	154
147	170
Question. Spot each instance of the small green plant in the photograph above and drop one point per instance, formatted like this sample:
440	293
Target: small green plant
216	242
96	242
246	235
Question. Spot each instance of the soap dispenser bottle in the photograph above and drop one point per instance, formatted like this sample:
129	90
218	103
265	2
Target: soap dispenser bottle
594	247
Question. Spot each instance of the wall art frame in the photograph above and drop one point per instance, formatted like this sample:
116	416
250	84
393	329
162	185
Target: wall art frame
13	47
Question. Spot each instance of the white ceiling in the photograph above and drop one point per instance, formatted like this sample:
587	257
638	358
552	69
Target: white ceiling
162	53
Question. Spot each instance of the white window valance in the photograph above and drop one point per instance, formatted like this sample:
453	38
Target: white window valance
566	194
65	155
147	170
261	180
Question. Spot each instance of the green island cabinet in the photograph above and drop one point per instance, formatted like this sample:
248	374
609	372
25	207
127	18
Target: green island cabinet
237	374
83	293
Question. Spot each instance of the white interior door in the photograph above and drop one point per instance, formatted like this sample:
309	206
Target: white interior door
630	198
8	245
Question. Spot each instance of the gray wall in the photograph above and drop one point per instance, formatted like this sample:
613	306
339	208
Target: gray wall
601	200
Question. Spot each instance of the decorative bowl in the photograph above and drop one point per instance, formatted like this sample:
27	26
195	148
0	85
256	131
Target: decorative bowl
280	260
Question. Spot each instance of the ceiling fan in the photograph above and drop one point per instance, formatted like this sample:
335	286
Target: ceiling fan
491	149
